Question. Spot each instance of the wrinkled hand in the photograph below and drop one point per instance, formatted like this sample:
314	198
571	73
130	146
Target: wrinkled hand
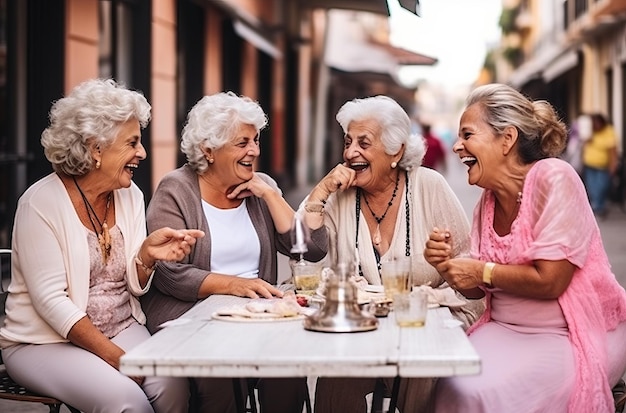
167	244
438	247
255	186
253	288
340	177
461	273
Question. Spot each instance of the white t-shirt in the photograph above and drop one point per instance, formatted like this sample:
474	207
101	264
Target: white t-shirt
235	246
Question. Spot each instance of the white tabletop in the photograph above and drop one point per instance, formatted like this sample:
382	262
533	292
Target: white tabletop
198	346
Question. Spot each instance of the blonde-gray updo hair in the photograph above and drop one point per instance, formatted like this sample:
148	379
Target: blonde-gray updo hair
91	114
213	121
541	133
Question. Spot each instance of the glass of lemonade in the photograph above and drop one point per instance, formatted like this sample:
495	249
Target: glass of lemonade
306	276
395	275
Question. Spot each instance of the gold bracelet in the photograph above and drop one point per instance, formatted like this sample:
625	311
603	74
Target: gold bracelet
144	267
488	273
315	207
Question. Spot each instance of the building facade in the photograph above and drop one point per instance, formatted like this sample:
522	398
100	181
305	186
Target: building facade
570	52
175	52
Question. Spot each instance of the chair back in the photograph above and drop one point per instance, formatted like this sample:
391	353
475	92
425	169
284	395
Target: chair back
5	279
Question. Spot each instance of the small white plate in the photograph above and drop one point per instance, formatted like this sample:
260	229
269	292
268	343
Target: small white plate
241	319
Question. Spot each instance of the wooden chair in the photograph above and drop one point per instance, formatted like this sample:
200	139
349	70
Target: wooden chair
10	390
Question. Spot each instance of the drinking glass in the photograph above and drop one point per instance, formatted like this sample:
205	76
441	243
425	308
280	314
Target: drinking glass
395	276
410	308
306	276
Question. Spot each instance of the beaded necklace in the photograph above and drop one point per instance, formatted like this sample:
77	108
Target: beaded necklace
407	249
104	238
377	238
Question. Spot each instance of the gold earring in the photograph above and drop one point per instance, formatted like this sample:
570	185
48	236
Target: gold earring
98	164
394	164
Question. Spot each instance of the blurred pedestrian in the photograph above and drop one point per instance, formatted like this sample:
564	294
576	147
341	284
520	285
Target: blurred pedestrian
579	133
435	156
600	162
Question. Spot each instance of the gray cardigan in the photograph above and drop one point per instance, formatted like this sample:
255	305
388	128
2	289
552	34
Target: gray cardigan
177	204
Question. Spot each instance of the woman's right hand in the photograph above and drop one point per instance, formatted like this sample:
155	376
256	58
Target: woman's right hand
340	177
438	247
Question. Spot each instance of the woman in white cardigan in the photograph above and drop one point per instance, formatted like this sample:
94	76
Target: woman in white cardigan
380	204
81	258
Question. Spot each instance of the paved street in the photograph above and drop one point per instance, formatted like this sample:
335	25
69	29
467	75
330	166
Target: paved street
613	230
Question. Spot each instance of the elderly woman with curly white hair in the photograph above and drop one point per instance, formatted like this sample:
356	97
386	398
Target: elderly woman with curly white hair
246	220
81	258
379	204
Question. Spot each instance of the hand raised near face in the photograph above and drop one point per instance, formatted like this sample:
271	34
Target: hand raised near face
340	177
255	186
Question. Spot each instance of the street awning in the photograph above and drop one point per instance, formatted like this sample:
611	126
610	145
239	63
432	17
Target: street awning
256	39
560	65
406	57
373	6
608	8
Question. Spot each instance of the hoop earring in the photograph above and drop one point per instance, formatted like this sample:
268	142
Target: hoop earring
394	164
98	164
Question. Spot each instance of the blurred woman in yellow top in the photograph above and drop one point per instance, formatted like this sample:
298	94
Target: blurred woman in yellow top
600	162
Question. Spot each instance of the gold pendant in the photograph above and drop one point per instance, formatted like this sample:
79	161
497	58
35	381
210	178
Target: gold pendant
104	239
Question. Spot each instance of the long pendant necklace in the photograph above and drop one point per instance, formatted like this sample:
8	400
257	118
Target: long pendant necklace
377	238
407	212
104	238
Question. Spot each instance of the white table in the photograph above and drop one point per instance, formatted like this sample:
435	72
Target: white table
198	346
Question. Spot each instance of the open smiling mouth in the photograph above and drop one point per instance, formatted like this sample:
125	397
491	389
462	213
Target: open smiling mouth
469	161
359	166
131	167
246	164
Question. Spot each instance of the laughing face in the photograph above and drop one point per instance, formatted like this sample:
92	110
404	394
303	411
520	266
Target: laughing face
364	152
235	160
477	147
120	160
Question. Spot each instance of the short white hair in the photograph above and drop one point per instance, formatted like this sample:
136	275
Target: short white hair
92	113
213	121
394	123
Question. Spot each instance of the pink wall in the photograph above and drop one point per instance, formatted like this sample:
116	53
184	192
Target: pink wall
81	37
164	136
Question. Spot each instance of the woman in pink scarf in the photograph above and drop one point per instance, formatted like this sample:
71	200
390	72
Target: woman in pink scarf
552	337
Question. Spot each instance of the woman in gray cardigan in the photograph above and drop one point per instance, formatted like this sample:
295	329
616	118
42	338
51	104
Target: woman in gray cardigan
246	221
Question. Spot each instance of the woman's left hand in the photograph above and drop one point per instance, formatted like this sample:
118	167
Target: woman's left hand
461	273
255	186
168	244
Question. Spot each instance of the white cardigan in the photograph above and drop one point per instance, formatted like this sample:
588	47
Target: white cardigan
49	286
432	204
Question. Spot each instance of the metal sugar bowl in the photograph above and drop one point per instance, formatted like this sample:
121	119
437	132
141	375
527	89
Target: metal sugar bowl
340	312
